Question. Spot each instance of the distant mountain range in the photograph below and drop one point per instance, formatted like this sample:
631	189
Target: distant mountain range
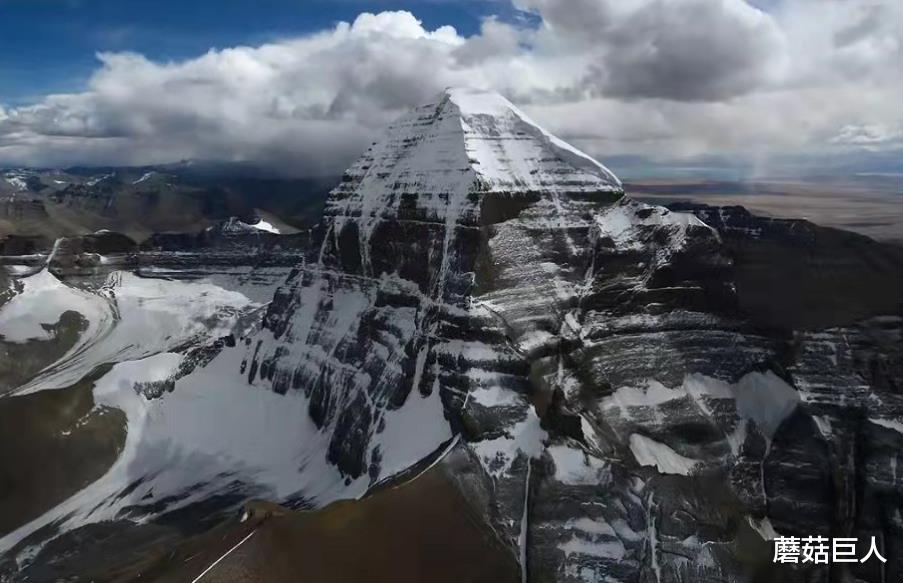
140	201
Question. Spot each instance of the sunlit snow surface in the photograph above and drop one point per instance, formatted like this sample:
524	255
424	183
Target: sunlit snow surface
649	452
531	157
40	303
130	317
211	430
263	225
234	225
144	177
575	468
16	182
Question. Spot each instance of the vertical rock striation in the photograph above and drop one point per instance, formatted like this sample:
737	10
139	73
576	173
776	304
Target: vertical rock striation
618	409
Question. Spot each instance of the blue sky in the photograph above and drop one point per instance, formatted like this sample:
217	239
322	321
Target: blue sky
49	46
280	83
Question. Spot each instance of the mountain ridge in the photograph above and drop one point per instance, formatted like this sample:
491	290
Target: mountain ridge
580	366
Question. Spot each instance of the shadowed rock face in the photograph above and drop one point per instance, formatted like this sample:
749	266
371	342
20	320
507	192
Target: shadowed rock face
623	392
705	424
792	274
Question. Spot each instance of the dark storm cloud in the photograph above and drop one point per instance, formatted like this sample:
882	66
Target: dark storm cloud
698	50
670	49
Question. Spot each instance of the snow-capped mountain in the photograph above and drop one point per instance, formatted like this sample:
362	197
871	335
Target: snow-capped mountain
599	378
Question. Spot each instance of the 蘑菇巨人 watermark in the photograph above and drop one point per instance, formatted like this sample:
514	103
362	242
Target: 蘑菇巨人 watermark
822	550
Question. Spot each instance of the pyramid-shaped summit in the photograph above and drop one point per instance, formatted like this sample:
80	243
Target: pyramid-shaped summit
461	245
464	144
460	197
510	152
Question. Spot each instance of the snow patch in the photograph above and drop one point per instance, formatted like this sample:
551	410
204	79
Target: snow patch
525	438
763	398
609	549
412	432
888	423
653	394
823	423
766	399
41	302
649	452
16	182
266	226
98	179
625	222
495	396
763	527
575	468
144	177
134	317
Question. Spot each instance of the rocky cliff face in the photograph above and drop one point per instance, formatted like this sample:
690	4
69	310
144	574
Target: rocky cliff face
602	379
383	328
626	407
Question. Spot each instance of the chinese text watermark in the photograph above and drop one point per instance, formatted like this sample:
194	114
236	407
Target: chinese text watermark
821	550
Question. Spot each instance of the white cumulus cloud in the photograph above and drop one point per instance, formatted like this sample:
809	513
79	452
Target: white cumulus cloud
658	78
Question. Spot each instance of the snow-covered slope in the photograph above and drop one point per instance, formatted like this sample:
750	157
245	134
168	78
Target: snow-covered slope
373	346
129	318
448	155
235	226
370	330
482	295
40	301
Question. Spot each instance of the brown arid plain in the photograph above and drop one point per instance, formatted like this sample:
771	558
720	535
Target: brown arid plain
868	204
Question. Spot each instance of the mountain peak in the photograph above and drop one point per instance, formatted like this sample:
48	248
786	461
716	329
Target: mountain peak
442	156
497	133
471	101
